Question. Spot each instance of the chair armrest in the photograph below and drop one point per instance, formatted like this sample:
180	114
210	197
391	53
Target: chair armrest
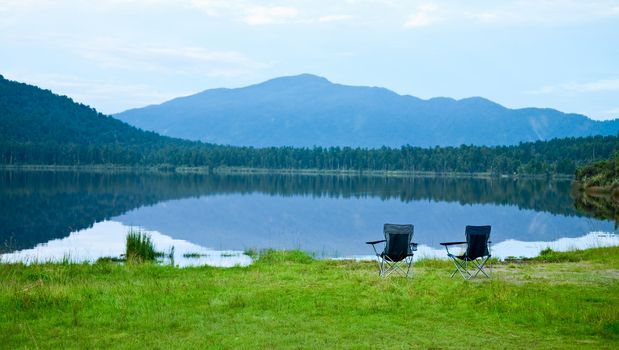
376	242
451	243
414	246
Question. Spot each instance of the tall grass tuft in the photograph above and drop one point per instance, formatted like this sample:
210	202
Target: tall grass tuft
140	247
550	256
272	256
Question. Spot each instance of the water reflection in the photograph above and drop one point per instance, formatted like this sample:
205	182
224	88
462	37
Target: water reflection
327	215
107	239
598	205
340	226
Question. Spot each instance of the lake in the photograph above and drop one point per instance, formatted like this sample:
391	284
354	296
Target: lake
84	216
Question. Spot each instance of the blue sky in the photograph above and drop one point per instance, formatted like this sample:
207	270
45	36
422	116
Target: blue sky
120	54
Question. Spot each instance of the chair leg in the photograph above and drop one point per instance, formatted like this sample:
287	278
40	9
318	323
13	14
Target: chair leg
392	267
410	263
463	267
402	266
460	267
381	266
388	268
480	267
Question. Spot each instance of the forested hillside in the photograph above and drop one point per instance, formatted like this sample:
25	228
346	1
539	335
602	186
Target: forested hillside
39	127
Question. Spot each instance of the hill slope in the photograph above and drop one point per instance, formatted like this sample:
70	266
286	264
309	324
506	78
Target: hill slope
307	110
40	127
31	114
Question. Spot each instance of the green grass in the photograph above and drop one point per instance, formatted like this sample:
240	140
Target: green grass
290	300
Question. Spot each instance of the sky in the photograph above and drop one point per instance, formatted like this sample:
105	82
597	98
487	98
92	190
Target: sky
119	54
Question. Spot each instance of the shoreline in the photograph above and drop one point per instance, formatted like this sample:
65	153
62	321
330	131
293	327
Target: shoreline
167	169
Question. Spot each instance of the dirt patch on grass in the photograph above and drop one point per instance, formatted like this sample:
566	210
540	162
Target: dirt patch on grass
571	273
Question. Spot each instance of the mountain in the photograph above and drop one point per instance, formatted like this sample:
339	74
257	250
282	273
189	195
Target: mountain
308	110
41	128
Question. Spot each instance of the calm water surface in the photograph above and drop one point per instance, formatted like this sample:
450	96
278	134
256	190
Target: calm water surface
50	215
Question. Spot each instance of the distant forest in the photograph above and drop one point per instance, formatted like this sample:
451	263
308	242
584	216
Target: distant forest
39	127
560	156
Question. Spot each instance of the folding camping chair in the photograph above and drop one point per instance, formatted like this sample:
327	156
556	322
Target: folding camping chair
477	252
397	255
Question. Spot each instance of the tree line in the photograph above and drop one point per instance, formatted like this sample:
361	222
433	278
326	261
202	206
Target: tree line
559	156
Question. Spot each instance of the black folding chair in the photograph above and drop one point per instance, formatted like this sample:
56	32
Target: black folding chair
397	255
477	252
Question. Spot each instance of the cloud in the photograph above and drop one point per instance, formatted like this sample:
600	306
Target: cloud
485	16
546	89
424	16
595	86
251	14
165	59
115	96
215	8
609	113
257	15
334	18
600	85
247	12
6	5
407	14
546	12
524	12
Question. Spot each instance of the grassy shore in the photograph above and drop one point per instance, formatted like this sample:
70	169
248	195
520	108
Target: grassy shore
289	300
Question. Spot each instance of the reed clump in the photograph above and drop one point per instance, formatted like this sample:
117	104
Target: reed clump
140	247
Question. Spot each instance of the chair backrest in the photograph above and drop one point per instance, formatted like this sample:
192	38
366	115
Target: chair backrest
477	241
398	239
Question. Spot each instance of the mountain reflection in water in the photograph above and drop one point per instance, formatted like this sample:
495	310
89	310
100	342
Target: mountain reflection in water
326	215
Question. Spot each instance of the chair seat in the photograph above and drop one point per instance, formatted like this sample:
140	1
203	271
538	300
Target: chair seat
395	257
466	258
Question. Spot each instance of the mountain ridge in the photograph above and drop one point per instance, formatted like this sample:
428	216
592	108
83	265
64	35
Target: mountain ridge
307	110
